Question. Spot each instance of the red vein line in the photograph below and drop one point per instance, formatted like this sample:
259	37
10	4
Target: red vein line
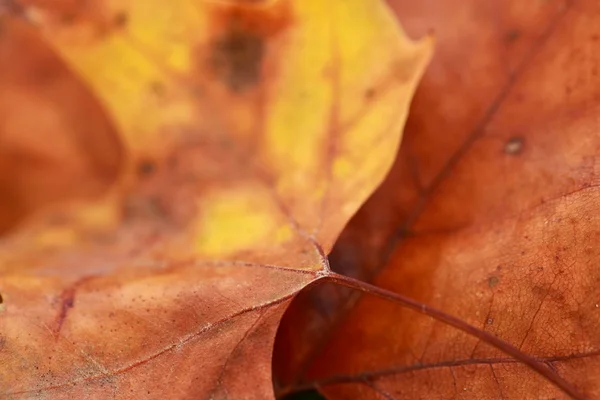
497	381
283	208
537	311
219	382
471	330
377	390
67	302
443	364
454	381
229	263
373	375
159	353
252	265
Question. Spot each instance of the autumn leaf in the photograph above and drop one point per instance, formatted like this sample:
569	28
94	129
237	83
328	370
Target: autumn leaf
490	214
173	174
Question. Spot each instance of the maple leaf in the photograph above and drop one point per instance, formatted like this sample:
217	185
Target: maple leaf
177	172
489	214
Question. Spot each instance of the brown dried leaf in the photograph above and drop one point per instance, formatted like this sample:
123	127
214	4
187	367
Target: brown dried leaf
489	214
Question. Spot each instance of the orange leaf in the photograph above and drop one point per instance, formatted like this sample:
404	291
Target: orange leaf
490	214
243	136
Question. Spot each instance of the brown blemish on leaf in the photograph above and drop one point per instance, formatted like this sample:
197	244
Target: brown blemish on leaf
145	168
370	93
237	50
512	36
514	146
236	58
493	281
121	19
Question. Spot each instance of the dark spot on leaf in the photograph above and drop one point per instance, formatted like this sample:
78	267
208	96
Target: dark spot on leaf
493	281
121	19
512	35
68	303
146	168
235	54
514	146
236	58
370	93
158	88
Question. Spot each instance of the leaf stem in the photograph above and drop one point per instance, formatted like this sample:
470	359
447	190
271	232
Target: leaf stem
484	336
